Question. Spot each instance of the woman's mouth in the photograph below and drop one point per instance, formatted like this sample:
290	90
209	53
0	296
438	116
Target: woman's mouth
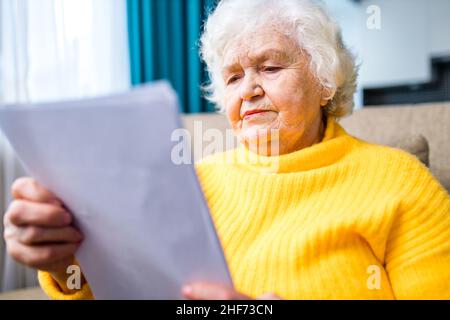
253	113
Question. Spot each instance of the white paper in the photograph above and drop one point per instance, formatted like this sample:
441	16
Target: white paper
146	224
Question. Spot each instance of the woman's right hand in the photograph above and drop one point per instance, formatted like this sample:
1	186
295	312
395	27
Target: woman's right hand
38	230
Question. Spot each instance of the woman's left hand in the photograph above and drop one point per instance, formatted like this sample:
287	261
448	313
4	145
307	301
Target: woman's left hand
211	291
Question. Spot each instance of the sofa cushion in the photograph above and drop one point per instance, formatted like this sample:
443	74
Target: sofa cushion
416	145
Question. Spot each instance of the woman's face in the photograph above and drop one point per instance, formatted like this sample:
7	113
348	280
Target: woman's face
268	85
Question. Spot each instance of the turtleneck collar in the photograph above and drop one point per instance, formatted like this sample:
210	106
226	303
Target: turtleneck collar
334	145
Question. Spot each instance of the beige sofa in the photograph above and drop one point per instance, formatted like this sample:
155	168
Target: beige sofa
387	125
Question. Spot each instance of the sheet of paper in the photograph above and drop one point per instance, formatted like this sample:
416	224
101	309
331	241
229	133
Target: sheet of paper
146	224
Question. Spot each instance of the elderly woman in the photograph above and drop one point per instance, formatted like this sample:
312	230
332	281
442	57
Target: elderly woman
303	210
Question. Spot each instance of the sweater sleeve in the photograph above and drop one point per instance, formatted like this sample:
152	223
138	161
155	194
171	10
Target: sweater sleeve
418	248
52	289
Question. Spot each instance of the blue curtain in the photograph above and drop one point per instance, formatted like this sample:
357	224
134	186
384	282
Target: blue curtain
164	42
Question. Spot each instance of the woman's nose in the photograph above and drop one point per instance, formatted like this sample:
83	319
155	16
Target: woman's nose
250	88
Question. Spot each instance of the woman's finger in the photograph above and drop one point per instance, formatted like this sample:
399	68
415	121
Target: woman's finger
32	235
59	266
22	212
39	256
209	291
28	188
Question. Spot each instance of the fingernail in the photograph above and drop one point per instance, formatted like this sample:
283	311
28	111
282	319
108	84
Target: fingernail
187	290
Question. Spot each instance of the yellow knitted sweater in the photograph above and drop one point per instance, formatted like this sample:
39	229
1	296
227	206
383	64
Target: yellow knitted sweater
342	219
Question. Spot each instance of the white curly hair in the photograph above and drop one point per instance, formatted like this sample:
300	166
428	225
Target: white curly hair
305	21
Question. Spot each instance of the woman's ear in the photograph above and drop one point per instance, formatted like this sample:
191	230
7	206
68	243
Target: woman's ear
327	95
323	102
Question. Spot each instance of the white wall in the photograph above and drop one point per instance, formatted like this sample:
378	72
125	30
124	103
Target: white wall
440	28
398	53
412	32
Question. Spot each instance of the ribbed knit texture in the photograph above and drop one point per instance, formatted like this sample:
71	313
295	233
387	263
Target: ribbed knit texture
316	223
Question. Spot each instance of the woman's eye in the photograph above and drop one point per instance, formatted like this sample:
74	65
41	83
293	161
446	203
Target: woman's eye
271	69
233	79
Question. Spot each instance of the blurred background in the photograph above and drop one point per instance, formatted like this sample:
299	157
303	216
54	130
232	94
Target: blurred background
54	50
62	49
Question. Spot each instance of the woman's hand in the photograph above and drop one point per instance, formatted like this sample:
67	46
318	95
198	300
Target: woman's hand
38	230
210	291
